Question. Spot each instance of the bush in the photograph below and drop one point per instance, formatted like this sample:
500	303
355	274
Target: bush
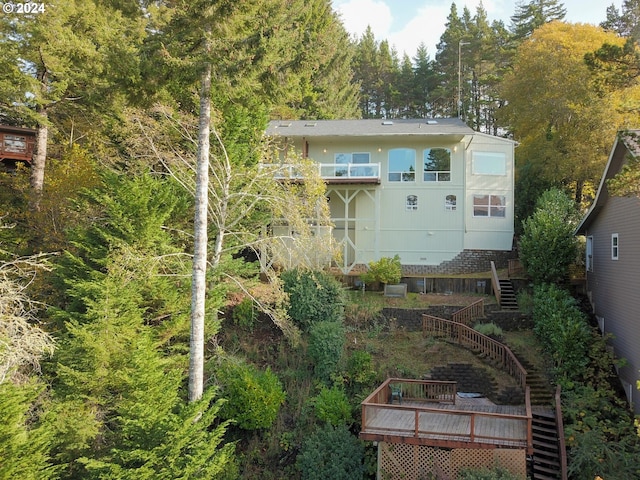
489	329
326	342
497	473
332	406
548	245
360	369
333	453
245	314
562	329
386	270
313	297
253	397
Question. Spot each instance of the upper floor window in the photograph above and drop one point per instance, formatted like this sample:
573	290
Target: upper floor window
489	163
614	246
349	158
402	165
437	165
489	206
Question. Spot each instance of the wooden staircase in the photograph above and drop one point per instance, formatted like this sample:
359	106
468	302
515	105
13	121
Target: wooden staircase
507	296
545	462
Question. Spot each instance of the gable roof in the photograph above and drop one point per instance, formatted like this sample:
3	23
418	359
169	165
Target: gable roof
369	127
627	140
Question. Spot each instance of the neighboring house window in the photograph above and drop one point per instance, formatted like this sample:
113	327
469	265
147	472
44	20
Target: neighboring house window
450	202
412	202
402	165
589	259
489	206
437	165
614	246
489	163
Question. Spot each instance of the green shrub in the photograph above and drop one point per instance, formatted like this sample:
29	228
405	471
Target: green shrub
253	397
360	369
387	270
245	314
548	245
497	473
488	329
313	297
326	342
333	453
562	329
332	406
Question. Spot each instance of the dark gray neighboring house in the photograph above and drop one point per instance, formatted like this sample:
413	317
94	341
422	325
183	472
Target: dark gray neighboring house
612	231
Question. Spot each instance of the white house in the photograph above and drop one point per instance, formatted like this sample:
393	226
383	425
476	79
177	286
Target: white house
435	192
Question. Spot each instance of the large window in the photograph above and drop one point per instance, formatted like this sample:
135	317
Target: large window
437	165
489	163
489	206
343	160
402	165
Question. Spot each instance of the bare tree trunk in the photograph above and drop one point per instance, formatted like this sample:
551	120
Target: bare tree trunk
199	285
39	160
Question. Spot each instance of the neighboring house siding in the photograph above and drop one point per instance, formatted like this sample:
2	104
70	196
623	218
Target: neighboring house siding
614	285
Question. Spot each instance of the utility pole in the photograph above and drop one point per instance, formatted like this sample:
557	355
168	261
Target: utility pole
460	44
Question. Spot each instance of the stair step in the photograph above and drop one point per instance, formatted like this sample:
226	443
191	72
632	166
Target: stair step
540	468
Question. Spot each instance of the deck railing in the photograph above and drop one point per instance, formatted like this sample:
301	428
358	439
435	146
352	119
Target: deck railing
495	283
421	421
335	171
473	340
470	313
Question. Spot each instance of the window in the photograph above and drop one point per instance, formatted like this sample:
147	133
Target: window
589	259
412	202
402	165
343	160
437	165
614	246
488	163
450	202
489	206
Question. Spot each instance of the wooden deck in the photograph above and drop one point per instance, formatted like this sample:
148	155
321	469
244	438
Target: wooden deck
451	423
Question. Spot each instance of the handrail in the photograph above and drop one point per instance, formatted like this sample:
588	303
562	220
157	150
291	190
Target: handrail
561	441
495	283
333	170
469	313
470	338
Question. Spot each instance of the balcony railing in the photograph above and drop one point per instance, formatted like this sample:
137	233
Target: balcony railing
355	172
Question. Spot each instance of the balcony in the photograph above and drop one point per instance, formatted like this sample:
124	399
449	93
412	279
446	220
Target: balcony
432	413
336	173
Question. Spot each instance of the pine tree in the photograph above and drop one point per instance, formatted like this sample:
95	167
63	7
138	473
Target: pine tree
529	16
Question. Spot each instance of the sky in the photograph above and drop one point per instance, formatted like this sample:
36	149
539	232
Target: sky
406	23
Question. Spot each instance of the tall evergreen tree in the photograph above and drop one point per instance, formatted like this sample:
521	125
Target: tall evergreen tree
424	82
625	22
534	14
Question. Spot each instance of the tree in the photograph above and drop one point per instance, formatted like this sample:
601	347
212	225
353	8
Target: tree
54	62
530	16
547	245
625	22
563	123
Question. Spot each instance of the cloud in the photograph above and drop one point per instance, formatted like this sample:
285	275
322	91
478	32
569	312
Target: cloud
356	15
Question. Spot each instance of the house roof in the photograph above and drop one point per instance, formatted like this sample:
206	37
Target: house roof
369	127
628	140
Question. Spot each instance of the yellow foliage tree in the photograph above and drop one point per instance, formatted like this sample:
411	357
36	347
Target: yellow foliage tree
565	125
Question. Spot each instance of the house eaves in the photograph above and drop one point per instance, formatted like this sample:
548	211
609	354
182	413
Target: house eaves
628	140
450	127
